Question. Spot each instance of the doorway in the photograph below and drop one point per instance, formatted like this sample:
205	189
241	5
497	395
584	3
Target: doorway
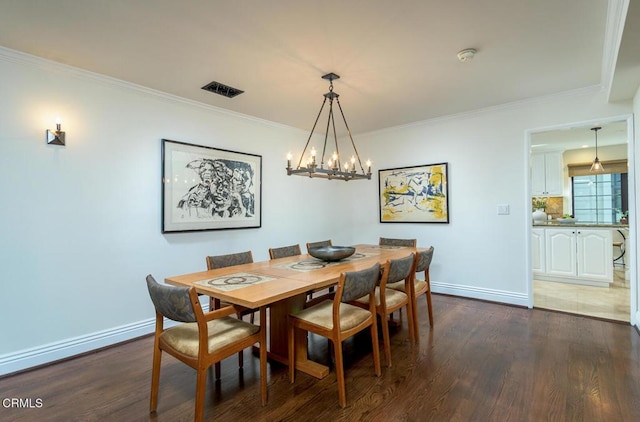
574	146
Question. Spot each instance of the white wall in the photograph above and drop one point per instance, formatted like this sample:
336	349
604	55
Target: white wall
633	217
81	223
479	254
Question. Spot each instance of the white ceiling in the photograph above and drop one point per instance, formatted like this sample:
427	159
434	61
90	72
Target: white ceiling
397	61
580	136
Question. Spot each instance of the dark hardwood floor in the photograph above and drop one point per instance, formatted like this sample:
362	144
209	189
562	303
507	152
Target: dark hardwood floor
481	362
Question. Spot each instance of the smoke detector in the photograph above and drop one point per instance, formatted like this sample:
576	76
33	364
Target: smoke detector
466	54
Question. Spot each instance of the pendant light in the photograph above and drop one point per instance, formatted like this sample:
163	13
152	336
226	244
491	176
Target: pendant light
333	168
596	167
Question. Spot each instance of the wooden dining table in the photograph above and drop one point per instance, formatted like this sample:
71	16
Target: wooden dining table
282	285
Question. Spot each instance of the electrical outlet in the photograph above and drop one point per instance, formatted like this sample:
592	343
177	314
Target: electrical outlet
503	209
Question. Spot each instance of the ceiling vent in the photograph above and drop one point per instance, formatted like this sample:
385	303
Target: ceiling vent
222	89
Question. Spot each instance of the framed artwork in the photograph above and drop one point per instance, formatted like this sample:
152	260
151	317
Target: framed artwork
205	188
414	194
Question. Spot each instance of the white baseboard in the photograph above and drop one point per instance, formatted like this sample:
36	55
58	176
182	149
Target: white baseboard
48	353
40	355
492	295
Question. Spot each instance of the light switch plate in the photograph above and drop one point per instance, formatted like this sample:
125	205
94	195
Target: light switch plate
503	209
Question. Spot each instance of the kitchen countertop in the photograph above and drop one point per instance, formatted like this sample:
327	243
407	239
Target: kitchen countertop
579	224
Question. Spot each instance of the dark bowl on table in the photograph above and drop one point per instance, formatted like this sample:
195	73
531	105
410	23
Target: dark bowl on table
331	253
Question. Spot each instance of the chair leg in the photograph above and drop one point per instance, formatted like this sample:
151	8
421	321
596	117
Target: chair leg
342	394
155	379
241	353
217	370
201	385
263	357
415	319
375	347
386	341
411	321
430	307
291	337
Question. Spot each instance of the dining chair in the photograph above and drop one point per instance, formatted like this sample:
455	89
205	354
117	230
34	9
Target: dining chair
389	300
200	339
386	241
338	320
320	243
420	287
223	261
284	251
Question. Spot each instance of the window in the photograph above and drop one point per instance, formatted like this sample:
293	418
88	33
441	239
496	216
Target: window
596	197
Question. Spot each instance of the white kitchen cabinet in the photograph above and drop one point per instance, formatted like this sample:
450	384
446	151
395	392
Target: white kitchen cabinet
579	255
595	254
538	257
561	252
546	174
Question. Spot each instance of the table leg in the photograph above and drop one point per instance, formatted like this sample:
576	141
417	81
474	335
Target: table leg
278	338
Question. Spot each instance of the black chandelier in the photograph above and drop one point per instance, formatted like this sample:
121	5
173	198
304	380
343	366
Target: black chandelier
332	169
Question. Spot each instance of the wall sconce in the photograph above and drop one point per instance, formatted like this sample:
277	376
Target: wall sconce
56	137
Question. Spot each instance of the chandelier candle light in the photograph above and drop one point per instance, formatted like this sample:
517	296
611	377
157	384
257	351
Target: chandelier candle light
334	169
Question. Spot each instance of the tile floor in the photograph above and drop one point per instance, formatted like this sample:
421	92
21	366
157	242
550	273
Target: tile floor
603	302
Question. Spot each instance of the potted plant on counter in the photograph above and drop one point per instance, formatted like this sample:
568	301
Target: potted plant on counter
622	216
566	218
539	205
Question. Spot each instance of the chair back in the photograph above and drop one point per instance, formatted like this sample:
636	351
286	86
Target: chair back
222	261
357	284
275	253
385	241
400	269
170	301
317	244
424	260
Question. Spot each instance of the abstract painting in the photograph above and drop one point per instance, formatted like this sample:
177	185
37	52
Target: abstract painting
206	188
414	194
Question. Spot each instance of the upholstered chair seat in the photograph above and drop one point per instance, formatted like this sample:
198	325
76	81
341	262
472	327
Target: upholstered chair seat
394	298
322	315
221	332
399	285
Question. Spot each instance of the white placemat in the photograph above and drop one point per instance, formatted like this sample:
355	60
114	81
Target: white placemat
234	281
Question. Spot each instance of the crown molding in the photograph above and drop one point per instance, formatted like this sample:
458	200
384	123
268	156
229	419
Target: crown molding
14	56
543	99
616	17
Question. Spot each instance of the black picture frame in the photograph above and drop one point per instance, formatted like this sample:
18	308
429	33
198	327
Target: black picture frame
416	194
207	188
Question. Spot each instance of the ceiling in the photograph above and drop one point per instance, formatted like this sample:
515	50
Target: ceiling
397	64
580	136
